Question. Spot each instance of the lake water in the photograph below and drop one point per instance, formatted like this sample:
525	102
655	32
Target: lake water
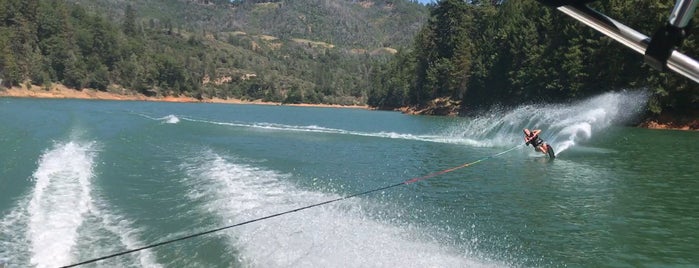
83	179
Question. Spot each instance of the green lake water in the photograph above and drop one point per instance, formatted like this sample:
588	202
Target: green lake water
83	179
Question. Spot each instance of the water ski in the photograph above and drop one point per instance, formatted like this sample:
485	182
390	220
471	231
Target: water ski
550	151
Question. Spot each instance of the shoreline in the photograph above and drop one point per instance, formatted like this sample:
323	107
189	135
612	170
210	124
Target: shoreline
670	121
57	91
62	92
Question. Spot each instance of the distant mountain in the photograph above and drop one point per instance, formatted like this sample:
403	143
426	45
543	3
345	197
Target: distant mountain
344	23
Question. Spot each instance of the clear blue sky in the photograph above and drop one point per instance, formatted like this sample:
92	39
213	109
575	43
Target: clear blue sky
426	1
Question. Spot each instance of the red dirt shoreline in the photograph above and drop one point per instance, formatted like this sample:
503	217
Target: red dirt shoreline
668	120
664	121
62	92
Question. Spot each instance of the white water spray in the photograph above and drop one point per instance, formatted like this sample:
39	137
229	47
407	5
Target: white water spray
562	125
170	119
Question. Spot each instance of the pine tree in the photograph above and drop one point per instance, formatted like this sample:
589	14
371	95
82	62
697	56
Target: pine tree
129	24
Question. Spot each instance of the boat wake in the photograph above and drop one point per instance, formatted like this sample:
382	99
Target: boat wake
337	234
60	222
319	129
562	125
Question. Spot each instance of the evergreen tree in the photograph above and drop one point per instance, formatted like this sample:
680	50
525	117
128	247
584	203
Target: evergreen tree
129	24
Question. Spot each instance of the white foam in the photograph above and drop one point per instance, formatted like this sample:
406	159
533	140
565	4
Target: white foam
319	129
59	222
59	202
13	242
105	233
170	119
340	234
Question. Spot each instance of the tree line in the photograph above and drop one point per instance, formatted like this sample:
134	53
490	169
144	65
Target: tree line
484	53
477	53
45	42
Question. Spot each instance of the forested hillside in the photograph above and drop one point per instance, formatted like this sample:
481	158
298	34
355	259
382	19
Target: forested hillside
479	54
388	54
347	23
300	51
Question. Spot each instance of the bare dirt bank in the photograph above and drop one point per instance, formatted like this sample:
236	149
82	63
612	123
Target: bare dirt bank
669	120
62	92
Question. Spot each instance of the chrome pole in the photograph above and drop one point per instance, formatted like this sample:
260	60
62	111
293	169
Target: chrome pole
682	13
638	42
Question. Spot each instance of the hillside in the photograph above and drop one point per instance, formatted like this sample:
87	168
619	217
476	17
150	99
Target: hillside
310	51
346	23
